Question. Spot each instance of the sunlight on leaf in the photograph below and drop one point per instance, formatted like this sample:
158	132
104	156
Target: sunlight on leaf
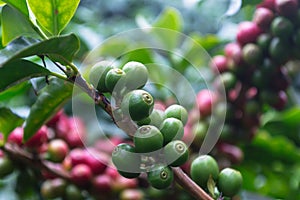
53	15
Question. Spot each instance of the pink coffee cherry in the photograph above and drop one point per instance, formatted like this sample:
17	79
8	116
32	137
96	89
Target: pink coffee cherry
102	183
205	100
247	32
263	17
233	52
270	4
81	175
219	64
16	136
39	138
286	8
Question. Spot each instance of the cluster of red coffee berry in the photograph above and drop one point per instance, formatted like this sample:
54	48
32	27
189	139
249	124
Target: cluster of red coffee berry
253	73
86	170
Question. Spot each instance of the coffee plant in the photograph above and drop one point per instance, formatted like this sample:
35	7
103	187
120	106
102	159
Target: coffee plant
148	114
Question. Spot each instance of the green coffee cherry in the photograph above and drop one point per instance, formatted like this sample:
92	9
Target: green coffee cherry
138	104
171	129
113	76
230	182
178	112
252	54
228	79
147	139
155	118
137	75
6	167
281	27
176	153
263	41
160	177
126	160
98	73
279	50
73	193
202	168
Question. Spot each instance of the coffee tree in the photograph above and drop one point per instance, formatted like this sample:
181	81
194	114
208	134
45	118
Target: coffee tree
170	121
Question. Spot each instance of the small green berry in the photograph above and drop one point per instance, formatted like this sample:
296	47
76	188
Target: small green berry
147	139
113	76
177	111
137	75
230	182
176	153
98	73
172	129
160	177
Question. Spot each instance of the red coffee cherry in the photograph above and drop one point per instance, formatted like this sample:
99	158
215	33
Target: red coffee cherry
96	161
233	51
77	156
16	136
205	101
219	64
287	8
40	137
263	17
247	32
270	4
102	183
81	175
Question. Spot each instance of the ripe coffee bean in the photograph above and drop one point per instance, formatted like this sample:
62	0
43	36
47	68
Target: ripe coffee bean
205	101
138	104
282	27
202	168
98	73
160	177
233	51
171	129
77	156
219	64
136	75
176	153
252	54
286	7
147	139
229	182
57	150
39	138
96	161
16	136
263	17
113	77
270	4
81	175
102	183
126	160
178	112
247	32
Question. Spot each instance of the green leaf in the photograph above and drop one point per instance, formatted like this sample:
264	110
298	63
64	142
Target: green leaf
50	100
20	5
8	121
252	2
2	3
53	15
61	49
19	70
169	23
14	25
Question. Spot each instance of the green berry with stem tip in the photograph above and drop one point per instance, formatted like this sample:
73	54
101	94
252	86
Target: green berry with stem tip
98	73
230	182
171	129
147	139
138	104
281	27
202	168
73	193
155	118
178	112
114	76
160	177
136	75
126	160
176	153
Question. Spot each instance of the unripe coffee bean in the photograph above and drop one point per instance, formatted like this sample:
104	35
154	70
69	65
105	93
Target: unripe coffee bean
57	150
136	75
252	54
98	73
178	112
282	27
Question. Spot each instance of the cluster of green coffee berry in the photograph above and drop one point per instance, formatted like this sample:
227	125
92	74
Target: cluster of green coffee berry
205	172
156	141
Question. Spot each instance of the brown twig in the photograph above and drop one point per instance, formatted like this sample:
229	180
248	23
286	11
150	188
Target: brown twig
17	153
184	180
